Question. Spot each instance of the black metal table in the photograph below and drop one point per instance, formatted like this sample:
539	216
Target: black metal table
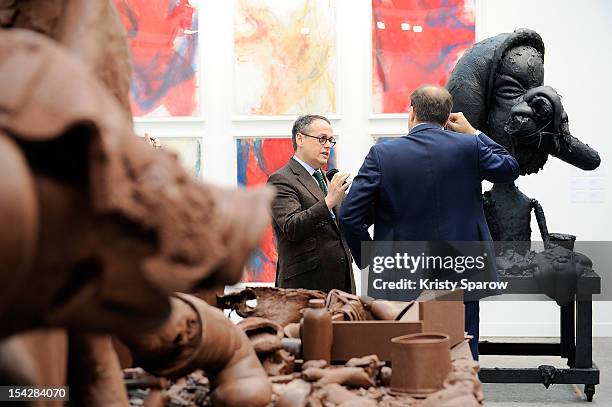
576	341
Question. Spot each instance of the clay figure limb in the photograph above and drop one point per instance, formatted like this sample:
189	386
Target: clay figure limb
348	376
95	376
19	217
198	336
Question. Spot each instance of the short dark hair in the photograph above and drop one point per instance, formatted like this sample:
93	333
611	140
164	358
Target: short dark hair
301	125
432	104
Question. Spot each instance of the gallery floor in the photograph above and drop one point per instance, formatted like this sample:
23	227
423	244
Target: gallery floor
536	395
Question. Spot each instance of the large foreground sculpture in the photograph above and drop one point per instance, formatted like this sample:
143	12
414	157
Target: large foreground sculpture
104	227
97	227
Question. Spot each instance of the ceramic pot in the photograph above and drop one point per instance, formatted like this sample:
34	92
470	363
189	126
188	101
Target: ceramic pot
420	363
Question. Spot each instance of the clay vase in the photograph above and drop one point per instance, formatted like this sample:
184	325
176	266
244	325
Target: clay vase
316	331
420	363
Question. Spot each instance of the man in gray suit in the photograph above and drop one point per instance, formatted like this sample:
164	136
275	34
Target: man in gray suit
311	250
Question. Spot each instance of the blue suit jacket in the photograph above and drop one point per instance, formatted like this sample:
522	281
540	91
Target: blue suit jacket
425	186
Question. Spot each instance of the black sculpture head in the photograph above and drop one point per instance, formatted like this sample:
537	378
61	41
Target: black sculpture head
499	85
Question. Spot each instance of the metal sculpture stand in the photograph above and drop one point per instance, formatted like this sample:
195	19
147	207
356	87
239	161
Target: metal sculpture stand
576	347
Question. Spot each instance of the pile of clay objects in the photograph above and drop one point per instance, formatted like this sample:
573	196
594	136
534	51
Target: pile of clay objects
364	382
361	381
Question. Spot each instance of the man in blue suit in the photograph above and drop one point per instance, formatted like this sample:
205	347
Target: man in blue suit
426	186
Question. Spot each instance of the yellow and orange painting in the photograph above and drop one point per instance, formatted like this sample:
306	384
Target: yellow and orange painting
284	57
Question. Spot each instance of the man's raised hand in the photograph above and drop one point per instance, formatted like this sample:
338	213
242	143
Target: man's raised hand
336	189
457	122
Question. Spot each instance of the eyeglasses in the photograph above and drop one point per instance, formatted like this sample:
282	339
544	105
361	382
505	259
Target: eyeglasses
322	140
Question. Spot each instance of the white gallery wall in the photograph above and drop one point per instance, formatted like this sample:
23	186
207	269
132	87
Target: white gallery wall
578	64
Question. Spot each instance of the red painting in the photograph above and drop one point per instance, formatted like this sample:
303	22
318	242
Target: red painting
416	42
162	35
257	159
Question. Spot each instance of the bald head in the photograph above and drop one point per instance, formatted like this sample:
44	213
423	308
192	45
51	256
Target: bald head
431	104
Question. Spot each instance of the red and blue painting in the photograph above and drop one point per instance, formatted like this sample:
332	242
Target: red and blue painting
163	37
257	159
416	42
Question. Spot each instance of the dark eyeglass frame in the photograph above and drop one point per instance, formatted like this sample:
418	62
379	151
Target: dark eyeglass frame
322	140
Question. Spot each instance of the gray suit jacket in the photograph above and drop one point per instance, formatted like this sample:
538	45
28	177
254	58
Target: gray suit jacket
311	250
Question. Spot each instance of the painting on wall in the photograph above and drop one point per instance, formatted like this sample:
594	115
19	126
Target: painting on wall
188	150
284	57
416	42
163	37
257	159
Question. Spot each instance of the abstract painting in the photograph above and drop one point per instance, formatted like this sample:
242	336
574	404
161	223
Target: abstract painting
416	42
284	57
188	150
257	159
163	37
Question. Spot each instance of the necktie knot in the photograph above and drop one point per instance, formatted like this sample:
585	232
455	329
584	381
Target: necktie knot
319	177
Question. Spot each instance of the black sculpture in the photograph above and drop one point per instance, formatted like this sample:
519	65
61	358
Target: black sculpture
498	84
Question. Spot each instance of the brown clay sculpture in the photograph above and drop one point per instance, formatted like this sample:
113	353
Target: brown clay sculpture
119	224
94	372
345	307
282	305
265	335
278	363
198	336
293	394
103	227
371	364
